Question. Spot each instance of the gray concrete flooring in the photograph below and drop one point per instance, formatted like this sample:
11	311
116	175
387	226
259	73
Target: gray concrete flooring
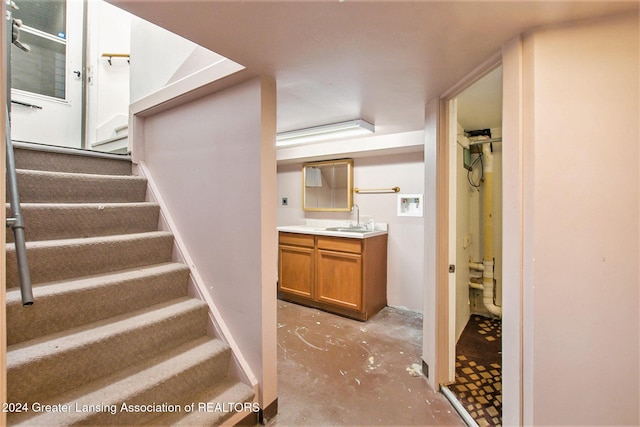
334	371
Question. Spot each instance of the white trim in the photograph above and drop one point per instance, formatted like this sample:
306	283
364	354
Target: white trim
452	147
192	82
217	325
468	420
512	235
69	150
442	368
476	74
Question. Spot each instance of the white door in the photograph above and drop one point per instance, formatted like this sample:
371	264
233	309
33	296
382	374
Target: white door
47	81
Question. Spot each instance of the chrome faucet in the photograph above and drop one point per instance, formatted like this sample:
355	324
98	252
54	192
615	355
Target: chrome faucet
357	209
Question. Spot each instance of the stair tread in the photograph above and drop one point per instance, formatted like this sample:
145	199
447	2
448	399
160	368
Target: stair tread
51	221
62	259
47	186
125	385
53	364
79	175
64	341
96	280
86	241
86	205
71	303
54	158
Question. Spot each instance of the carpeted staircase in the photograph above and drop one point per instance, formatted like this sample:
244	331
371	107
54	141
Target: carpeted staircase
112	322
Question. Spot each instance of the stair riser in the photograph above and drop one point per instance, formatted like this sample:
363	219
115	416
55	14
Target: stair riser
64	188
57	162
59	372
51	263
48	222
55	312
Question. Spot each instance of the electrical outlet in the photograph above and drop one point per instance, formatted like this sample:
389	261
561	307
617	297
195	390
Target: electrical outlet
285	201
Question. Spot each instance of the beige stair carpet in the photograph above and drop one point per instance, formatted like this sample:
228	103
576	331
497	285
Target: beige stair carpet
113	336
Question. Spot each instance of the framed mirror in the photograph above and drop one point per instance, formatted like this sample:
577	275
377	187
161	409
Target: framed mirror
327	186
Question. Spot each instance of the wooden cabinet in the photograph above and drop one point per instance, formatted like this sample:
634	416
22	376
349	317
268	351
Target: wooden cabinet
296	264
347	276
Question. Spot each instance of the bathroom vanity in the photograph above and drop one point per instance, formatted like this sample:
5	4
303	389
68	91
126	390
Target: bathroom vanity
334	269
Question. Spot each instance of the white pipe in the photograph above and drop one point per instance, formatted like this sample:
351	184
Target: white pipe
477	266
487	290
487	275
474	285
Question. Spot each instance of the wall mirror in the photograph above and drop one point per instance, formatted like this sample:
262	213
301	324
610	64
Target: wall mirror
327	186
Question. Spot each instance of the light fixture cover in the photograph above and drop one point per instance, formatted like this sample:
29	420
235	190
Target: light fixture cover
325	132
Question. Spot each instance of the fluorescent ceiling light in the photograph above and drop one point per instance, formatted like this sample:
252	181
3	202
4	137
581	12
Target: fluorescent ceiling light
325	132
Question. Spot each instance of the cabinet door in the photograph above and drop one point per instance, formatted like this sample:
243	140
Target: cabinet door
339	279
295	272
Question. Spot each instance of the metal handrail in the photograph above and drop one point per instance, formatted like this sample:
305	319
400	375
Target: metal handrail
16	223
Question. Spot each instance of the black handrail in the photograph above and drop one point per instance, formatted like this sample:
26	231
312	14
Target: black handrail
16	223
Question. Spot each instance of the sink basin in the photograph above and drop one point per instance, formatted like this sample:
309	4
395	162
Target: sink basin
349	229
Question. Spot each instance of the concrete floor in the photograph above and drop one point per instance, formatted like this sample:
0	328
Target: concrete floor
334	371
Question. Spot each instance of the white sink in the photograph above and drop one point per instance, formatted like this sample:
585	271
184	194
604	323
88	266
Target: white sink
348	229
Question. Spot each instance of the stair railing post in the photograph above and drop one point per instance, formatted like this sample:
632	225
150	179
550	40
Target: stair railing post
16	223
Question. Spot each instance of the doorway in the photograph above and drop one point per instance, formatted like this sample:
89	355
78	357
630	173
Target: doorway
475	249
47	73
70	75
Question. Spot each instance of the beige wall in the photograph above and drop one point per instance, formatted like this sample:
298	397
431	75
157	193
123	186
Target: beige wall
578	207
213	162
406	243
464	195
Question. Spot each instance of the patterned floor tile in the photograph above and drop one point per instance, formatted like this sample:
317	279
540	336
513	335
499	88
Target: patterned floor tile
478	383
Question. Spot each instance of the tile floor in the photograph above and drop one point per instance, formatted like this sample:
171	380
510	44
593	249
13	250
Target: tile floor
334	371
478	383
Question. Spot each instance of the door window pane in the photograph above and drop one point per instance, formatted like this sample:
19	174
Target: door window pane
42	69
48	16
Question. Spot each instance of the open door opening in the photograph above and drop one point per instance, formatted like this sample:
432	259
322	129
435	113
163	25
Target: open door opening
47	72
475	250
70	74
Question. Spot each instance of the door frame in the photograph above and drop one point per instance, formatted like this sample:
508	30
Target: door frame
438	316
437	357
445	219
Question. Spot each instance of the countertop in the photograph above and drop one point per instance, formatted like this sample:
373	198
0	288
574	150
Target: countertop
319	228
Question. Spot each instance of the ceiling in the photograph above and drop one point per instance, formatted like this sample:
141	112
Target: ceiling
337	60
480	105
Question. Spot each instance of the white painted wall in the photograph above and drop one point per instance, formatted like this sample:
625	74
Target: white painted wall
212	159
160	57
579	206
405	250
109	30
218	179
